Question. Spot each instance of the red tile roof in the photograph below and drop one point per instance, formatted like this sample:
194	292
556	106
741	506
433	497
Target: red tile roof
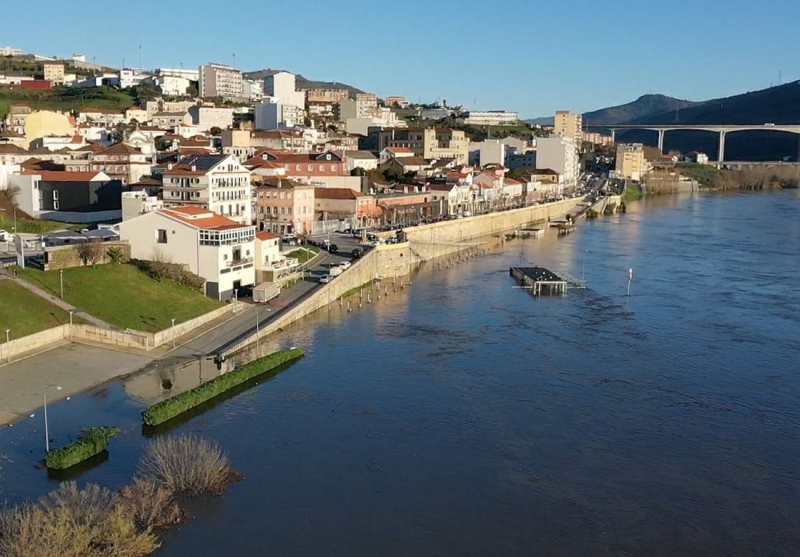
337	193
201	218
267	236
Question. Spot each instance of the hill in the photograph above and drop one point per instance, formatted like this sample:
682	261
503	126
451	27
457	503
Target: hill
63	98
304	83
641	107
624	113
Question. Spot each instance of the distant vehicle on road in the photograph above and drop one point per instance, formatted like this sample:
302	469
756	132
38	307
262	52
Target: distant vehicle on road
6	236
325	279
333	248
344	265
358	252
335	271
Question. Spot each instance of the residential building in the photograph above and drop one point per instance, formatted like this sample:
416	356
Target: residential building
172	85
364	160
559	153
457	197
139	202
67	196
8	51
404	166
631	163
282	86
215	182
307	166
272	114
54	72
122	162
521	159
189	75
216	248
138	114
269	260
409	209
596	138
220	80
245	143
364	105
344	204
285	206
489	151
322	102
169	120
101	116
429	143
206	117
253	90
396	100
489	118
569	124
438	113
58	142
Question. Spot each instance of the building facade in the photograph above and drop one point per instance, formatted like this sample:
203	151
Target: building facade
569	124
285	206
219	250
560	154
631	163
215	182
220	80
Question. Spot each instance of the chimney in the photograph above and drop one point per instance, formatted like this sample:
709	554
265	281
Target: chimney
169	166
194	168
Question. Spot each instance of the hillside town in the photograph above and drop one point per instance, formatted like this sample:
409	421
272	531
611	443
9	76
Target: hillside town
210	157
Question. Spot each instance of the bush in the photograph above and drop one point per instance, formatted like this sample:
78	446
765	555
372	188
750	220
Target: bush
115	255
150	504
92	441
174	406
73	522
161	270
187	463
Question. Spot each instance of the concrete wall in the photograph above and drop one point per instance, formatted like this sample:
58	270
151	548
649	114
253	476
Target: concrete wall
80	218
36	341
165	336
67	257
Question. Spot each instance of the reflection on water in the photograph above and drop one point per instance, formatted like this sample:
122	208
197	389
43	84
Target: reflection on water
464	417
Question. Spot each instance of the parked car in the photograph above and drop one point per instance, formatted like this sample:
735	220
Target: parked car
358	252
335	271
333	248
325	279
344	265
6	236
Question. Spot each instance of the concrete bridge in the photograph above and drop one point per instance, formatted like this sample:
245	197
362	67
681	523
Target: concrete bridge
722	129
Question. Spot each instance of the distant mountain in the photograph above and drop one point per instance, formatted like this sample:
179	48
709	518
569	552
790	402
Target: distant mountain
624	113
641	107
303	83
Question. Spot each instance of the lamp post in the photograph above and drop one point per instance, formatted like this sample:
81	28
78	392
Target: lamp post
173	332
630	280
8	346
61	279
258	343
46	430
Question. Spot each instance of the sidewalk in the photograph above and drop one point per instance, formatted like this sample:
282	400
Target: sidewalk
56	301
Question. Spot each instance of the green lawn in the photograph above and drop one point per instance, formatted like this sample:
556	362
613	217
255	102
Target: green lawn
124	296
303	254
31	226
25	313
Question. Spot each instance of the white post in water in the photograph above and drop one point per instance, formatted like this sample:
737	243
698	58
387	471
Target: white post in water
46	429
630	280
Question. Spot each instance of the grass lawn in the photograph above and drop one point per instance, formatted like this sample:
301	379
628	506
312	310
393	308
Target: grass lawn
302	255
25	313
31	226
124	296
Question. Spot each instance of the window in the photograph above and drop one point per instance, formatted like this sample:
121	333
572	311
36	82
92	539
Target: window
55	195
322	168
333	168
161	236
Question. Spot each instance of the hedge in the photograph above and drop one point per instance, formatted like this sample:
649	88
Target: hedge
178	404
92	441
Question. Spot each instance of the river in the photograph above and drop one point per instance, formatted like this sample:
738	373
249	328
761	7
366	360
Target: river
461	416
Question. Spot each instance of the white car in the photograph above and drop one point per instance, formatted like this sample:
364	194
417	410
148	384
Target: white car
6	236
325	279
344	265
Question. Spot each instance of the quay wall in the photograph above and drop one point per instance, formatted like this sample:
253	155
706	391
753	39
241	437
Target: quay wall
460	237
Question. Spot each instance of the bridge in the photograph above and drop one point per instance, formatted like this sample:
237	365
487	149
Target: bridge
722	129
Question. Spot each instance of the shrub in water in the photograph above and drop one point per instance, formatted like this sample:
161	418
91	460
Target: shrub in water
187	463
150	504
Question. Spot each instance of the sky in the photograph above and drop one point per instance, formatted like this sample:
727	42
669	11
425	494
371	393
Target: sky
529	56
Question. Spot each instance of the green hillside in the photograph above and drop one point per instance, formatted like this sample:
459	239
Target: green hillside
304	83
63	98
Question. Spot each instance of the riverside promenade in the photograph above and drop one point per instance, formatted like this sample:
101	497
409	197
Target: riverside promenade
77	367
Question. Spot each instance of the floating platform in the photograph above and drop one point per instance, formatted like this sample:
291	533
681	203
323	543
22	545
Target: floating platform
534	232
540	281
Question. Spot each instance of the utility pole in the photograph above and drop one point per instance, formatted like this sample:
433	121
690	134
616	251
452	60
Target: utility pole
140	58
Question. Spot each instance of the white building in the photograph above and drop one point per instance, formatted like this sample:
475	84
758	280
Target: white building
253	90
219	80
8	51
190	75
559	153
490	118
271	114
489	151
282	85
211	246
207	117
215	182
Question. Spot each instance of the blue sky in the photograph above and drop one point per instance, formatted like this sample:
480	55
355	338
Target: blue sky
532	56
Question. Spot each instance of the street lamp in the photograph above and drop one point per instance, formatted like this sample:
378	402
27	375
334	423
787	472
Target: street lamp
8	347
46	430
70	324
173	332
61	279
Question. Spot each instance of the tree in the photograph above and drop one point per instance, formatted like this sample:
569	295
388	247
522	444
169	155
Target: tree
115	255
90	253
358	171
215	130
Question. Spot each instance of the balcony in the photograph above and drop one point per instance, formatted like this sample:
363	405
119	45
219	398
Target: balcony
239	262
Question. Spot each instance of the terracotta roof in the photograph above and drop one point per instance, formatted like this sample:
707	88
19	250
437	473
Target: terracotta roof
442	187
337	193
11	149
400	149
412	161
62	176
201	218
120	149
267	236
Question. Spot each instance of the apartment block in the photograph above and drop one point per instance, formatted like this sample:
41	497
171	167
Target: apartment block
220	80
